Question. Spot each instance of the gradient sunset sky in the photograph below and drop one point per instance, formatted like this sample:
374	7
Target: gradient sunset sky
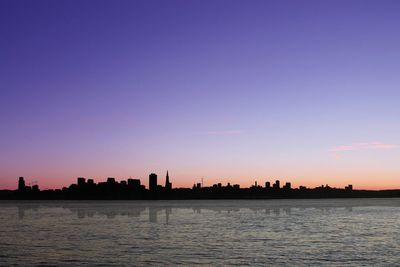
231	91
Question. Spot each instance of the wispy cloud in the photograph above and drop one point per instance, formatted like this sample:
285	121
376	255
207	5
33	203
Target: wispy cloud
337	151
226	132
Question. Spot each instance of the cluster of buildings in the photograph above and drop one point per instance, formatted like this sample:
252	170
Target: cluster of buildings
22	187
133	189
276	185
83	183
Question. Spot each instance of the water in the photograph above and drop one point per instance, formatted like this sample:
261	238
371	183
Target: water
347	232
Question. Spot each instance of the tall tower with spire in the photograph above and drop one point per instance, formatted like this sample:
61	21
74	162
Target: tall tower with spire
168	185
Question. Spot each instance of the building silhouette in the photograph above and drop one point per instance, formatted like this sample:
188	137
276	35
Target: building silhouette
134	183
21	184
287	186
168	185
81	181
153	182
110	180
267	185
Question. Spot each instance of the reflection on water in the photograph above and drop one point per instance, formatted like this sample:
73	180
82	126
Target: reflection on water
224	232
111	209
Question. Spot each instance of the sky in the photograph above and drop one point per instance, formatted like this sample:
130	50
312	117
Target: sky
228	91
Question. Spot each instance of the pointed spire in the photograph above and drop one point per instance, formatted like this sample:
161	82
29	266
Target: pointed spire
168	185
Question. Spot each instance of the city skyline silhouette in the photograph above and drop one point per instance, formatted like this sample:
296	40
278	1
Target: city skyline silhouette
132	189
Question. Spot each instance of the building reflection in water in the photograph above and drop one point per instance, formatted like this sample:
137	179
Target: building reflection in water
137	209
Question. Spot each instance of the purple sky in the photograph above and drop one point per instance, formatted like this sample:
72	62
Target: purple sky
301	91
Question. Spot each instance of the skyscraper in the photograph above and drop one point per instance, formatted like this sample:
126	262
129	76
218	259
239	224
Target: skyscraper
267	185
276	184
168	185
153	182
21	184
288	185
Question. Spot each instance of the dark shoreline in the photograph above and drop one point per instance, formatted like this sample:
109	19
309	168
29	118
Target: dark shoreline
204	194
